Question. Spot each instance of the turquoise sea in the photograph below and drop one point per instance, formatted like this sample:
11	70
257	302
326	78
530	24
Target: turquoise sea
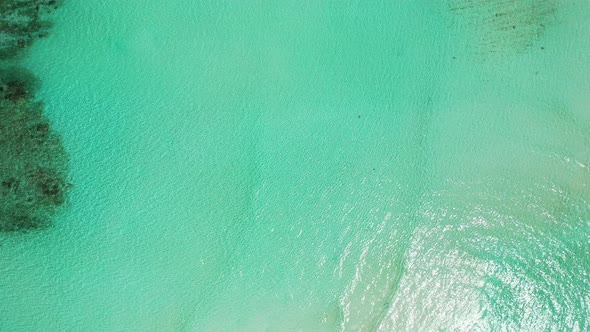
313	165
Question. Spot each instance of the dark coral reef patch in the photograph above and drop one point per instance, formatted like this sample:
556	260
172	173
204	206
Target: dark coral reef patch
32	167
22	22
504	26
33	162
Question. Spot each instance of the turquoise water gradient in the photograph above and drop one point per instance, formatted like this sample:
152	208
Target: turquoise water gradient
313	166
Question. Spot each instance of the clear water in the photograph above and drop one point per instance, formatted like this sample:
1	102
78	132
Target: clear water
315	166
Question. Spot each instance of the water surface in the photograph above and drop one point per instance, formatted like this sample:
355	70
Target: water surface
318	166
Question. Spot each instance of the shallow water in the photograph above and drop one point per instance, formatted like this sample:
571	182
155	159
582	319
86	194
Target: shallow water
331	166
